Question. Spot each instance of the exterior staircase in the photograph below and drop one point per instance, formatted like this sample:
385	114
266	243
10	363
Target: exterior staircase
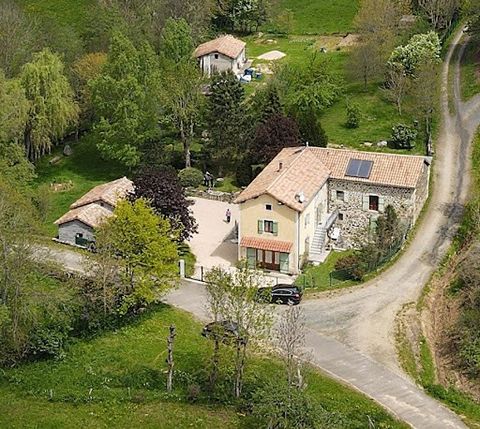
317	251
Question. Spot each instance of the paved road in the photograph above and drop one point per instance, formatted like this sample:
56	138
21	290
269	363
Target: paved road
350	335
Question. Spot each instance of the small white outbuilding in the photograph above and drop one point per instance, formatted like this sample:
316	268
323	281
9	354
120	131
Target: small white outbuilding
222	54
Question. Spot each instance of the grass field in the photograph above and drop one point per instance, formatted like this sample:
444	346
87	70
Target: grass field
470	68
70	13
117	380
321	16
79	173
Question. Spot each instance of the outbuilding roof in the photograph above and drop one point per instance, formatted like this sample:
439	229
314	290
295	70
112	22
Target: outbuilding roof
296	174
226	45
92	215
109	193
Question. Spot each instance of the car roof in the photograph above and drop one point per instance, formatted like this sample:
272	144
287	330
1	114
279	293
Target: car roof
285	286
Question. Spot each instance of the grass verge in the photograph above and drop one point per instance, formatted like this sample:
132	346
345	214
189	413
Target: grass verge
117	380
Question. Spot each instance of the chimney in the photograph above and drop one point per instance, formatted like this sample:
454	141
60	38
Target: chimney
280	166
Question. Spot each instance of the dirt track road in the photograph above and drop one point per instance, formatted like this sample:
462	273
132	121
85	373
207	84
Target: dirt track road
351	334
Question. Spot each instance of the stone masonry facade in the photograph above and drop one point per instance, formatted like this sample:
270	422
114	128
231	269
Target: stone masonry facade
355	219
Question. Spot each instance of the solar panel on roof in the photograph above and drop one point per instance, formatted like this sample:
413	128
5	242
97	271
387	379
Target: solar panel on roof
365	169
359	168
353	167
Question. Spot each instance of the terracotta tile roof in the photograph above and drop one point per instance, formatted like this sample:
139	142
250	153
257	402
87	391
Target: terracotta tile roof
226	45
401	171
292	172
305	170
108	193
266	244
92	215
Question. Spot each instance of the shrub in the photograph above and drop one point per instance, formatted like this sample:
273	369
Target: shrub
403	136
190	177
352	266
353	115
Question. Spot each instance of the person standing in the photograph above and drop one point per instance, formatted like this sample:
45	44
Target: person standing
228	215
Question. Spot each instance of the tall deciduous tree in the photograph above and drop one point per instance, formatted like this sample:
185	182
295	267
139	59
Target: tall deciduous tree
176	43
166	195
240	306
52	109
276	133
311	86
420	49
440	13
180	92
146	251
86	69
126	102
17	37
226	119
424	96
377	25
13	109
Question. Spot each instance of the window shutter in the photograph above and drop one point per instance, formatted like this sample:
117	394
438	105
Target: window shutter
260	226
333	194
275	228
381	204
345	196
366	202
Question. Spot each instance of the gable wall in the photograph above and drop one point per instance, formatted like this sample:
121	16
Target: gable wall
68	231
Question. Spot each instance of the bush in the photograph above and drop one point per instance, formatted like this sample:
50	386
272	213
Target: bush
403	136
352	266
190	177
353	115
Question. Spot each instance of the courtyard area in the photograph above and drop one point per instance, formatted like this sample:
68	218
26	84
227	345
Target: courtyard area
213	245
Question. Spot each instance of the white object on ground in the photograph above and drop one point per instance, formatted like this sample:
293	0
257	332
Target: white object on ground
272	56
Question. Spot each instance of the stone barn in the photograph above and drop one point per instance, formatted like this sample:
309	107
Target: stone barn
77	226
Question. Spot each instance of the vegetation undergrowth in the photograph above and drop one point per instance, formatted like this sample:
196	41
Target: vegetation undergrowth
118	378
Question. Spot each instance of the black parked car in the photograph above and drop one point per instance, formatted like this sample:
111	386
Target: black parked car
226	331
280	294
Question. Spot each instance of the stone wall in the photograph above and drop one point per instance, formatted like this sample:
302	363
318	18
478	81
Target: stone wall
226	197
421	193
68	231
357	219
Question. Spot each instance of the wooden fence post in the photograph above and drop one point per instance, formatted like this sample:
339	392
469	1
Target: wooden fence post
170	362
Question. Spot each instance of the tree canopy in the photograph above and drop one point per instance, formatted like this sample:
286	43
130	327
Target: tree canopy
147	254
162	188
52	109
126	101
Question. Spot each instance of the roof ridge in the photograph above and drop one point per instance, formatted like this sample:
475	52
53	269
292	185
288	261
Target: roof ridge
368	152
285	170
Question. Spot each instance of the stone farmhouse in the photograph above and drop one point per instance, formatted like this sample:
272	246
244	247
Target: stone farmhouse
222	54
310	199
77	226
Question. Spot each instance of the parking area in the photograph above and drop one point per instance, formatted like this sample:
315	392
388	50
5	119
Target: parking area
213	244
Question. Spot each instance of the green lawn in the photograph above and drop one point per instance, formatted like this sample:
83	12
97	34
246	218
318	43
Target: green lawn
321	16
117	380
79	173
318	278
470	78
70	13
